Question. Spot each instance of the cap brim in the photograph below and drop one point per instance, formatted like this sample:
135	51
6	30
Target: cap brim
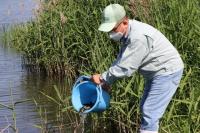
106	27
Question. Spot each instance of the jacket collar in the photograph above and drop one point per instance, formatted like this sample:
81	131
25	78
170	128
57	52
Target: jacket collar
126	39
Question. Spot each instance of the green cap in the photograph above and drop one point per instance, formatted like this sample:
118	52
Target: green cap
112	15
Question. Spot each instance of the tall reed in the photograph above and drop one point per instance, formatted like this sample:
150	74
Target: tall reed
64	39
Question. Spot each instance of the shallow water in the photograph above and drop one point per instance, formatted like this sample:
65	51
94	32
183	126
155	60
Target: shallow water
23	83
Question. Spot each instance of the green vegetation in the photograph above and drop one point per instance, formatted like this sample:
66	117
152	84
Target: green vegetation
64	40
12	108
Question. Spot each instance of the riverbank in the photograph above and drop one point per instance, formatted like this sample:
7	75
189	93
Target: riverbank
64	40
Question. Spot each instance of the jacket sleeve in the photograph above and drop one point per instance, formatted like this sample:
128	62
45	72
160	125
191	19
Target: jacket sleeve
127	62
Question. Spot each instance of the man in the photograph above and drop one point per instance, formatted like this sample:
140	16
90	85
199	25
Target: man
147	50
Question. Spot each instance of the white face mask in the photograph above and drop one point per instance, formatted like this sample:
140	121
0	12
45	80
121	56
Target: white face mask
116	36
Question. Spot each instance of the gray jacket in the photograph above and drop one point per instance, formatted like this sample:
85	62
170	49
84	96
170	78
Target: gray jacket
147	50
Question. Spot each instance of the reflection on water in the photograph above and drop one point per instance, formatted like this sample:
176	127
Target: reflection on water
12	77
24	85
14	11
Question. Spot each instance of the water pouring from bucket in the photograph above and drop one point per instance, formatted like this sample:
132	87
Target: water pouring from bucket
88	97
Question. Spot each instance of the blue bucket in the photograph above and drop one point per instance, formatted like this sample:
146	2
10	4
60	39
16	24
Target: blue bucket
86	92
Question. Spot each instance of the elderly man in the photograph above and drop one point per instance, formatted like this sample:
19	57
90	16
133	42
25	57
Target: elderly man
148	51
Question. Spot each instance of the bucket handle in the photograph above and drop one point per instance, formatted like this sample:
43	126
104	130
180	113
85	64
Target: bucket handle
84	78
99	88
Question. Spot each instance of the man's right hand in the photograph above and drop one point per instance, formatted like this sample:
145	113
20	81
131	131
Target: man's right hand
96	78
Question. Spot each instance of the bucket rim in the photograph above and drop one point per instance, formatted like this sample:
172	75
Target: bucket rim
97	99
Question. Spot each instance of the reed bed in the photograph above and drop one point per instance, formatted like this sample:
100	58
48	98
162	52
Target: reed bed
64	40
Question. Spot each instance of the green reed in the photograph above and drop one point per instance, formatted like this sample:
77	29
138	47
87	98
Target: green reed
64	40
180	22
12	108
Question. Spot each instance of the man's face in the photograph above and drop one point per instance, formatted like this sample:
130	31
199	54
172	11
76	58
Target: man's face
122	27
119	30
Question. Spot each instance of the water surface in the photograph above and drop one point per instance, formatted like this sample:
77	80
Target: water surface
23	83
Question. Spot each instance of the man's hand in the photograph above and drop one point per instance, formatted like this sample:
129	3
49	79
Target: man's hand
96	78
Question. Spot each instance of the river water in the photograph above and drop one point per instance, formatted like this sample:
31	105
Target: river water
14	77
